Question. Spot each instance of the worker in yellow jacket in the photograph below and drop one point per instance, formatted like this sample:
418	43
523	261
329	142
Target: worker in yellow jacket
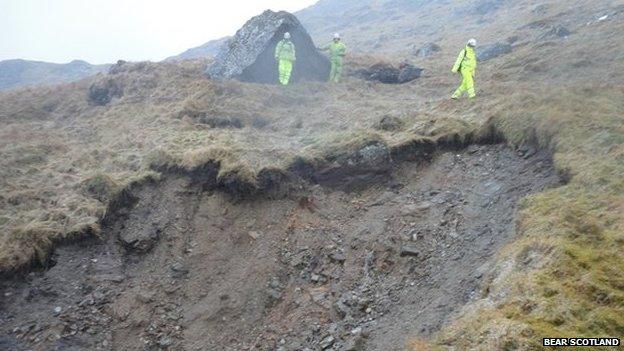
337	51
285	54
466	64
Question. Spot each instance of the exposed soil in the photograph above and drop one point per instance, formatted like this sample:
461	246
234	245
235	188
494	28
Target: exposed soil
192	269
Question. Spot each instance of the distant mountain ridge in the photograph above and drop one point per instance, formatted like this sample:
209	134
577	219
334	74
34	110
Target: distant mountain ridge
209	49
21	73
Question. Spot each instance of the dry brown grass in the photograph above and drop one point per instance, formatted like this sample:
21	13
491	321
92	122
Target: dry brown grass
67	159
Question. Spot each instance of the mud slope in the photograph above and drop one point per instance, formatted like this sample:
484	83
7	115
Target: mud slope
186	269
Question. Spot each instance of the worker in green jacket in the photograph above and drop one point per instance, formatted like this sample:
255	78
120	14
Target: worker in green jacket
466	64
285	54
337	51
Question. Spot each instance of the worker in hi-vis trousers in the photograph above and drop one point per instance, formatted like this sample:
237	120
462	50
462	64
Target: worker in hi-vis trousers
466	65
337	51
286	56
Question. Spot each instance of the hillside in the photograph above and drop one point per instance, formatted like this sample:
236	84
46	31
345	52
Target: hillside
183	213
22	73
209	49
401	27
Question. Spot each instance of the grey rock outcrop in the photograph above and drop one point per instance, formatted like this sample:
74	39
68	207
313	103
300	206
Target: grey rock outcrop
103	91
249	55
389	74
555	32
427	50
490	51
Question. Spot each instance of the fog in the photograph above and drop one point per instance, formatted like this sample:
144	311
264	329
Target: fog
101	31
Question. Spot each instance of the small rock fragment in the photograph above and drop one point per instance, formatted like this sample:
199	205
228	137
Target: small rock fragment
318	296
327	342
165	341
355	344
338	256
409	251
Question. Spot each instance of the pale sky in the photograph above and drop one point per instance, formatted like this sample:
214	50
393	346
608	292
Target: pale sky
103	31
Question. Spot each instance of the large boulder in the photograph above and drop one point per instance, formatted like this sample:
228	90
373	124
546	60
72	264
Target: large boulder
249	55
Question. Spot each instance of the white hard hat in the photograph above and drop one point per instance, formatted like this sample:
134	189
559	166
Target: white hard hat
336	35
286	35
472	42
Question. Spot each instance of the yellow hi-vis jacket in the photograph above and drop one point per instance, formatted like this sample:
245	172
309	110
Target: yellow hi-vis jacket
285	50
337	50
467	60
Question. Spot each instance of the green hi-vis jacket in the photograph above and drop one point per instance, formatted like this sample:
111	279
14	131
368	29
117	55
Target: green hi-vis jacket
285	50
467	60
337	50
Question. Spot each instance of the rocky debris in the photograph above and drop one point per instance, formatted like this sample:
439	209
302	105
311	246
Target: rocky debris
165	341
221	122
9	343
249	55
327	342
389	74
490	51
253	234
274	292
526	151
354	344
103	91
318	296
390	123
178	270
426	50
338	256
140	241
555	32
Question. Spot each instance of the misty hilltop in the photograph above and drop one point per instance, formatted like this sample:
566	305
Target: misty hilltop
209	49
22	73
